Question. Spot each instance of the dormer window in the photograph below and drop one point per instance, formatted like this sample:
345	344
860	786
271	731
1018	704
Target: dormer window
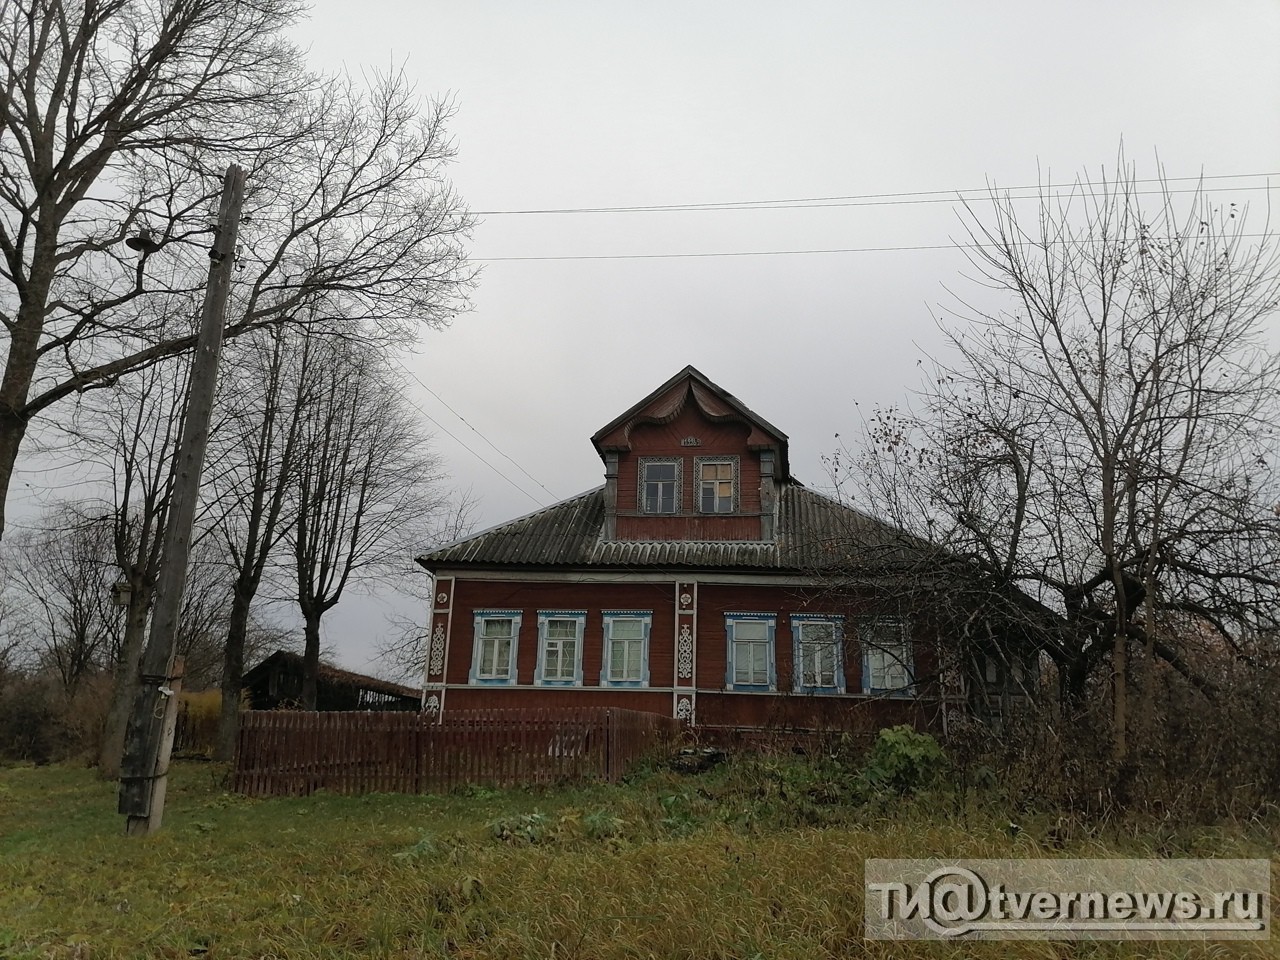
717	484
659	485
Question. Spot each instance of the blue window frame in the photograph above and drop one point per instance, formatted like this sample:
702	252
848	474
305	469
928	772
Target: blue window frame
626	648
886	657
560	634
751	651
817	644
497	638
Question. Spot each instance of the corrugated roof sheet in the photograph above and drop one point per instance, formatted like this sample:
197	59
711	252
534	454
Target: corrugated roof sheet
814	533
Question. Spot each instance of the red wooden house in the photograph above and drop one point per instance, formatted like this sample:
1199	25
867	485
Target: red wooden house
695	582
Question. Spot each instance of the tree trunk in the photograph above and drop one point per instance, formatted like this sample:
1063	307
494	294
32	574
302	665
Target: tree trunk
23	356
310	659
1120	693
233	674
13	427
1073	680
126	685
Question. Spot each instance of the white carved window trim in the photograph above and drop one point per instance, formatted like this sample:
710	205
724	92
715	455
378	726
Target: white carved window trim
799	623
738	646
579	619
611	617
886	656
494	678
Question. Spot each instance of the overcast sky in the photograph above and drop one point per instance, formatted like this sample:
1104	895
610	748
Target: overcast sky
608	104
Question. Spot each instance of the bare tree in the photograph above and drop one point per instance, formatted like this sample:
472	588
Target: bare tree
206	606
403	651
134	431
117	117
64	572
106	106
1095	471
254	458
364	486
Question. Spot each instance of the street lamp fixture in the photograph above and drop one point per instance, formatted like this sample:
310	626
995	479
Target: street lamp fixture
144	242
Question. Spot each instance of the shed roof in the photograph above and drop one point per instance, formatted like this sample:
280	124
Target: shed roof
330	674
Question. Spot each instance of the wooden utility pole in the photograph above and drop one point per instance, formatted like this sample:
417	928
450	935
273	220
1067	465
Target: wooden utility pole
145	764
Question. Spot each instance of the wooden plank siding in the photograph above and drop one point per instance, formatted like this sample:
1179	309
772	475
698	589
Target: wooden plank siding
290	753
664	440
530	599
713	602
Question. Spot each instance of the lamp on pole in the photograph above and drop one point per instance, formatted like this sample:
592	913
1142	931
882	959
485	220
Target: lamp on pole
149	734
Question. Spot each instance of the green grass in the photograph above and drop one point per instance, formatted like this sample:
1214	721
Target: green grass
754	860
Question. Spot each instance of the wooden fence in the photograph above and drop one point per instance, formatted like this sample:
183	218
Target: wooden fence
291	753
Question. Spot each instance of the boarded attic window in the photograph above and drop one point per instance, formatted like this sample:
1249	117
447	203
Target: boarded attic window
716	493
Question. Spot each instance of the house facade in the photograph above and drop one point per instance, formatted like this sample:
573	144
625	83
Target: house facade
696	582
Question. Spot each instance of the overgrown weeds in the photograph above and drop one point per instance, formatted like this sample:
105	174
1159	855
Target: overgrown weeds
761	856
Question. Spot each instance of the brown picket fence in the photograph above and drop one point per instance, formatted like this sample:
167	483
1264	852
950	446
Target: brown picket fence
293	753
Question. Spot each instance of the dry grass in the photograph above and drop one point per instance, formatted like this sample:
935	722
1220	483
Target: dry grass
740	863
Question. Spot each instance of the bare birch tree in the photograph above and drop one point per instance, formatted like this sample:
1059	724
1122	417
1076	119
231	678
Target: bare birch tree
1096	469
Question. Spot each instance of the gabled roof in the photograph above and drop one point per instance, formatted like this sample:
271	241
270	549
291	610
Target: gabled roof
815	533
666	403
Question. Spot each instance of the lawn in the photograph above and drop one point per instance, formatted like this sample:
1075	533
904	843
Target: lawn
754	859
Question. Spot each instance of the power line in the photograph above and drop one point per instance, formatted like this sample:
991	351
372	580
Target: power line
780	253
463	444
867	199
491	444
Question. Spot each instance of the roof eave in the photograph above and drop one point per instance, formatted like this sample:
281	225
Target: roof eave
693	373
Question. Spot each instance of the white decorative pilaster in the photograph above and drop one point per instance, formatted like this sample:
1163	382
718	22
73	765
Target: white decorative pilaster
438	648
686	651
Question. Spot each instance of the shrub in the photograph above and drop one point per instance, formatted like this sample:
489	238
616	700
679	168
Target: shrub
41	723
28	724
902	760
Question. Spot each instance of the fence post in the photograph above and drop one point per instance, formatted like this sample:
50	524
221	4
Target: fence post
609	749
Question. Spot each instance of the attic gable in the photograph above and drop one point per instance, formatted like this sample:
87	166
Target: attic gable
665	404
